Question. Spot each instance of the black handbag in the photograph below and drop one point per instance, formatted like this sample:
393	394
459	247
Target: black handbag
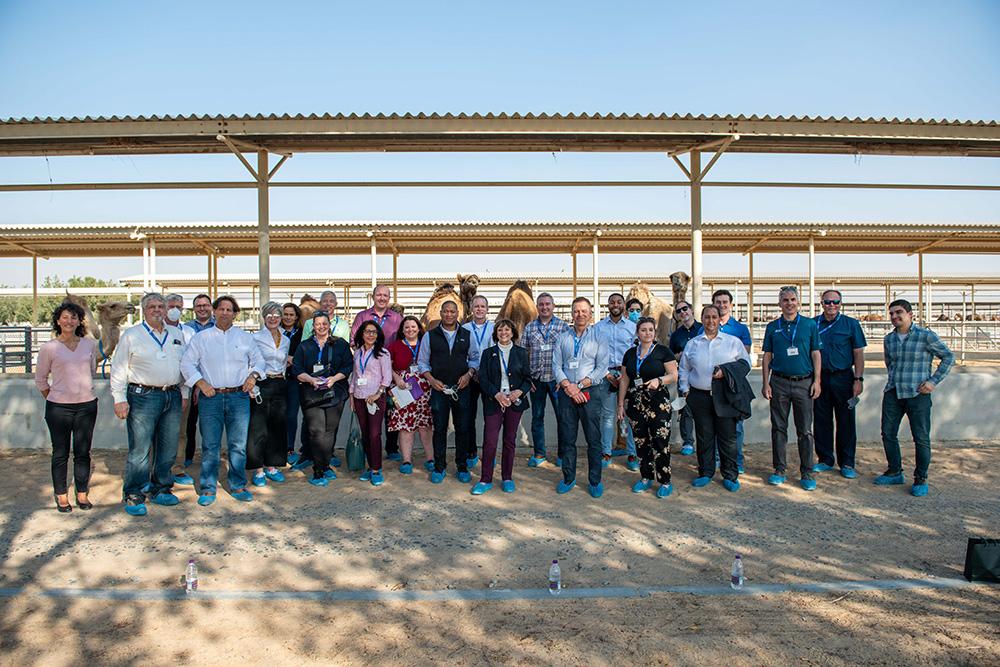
982	560
310	397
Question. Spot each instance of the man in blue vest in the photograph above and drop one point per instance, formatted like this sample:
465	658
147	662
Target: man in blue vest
447	360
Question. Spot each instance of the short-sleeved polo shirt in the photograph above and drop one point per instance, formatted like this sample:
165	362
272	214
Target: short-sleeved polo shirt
840	338
734	327
801	335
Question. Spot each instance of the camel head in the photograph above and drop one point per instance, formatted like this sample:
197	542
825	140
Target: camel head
113	312
398	307
521	286
640	291
679	282
468	284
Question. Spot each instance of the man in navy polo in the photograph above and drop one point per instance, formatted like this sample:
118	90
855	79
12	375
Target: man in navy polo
843	378
790	373
687	328
723	300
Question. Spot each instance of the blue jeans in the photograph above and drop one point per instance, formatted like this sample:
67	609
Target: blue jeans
154	426
608	403
918	411
542	391
686	423
570	415
229	412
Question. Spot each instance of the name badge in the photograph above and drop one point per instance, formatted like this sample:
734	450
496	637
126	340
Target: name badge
574	364
638	382
546	347
318	368
362	382
414	369
793	351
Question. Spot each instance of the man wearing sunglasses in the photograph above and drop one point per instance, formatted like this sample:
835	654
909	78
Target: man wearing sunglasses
843	354
687	328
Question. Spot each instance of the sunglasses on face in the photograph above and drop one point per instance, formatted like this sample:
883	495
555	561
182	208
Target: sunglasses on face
683	309
831	302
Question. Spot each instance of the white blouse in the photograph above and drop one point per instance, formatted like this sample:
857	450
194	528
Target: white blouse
275	356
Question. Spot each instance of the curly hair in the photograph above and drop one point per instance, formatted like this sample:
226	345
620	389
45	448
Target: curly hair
81	330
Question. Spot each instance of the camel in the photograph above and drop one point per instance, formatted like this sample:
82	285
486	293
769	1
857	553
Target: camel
519	306
467	287
397	307
432	314
872	317
679	282
308	305
655	307
106	327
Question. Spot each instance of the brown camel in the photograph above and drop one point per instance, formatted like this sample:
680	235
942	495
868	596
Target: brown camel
432	314
653	306
467	286
106	327
679	283
308	305
519	306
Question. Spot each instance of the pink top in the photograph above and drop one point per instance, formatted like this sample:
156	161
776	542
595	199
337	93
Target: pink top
377	373
72	371
389	323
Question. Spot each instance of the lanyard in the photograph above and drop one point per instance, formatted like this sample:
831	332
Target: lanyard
319	357
546	330
291	333
479	336
830	325
364	359
795	327
414	349
380	321
577	343
161	343
503	361
639	357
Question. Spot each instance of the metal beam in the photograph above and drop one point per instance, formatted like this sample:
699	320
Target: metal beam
757	244
263	229
933	244
704	146
25	248
256	173
718	154
681	165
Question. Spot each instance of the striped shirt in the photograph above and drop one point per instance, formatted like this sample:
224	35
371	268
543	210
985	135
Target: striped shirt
910	362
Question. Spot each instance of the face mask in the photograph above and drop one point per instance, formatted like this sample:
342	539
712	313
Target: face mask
174	314
634	315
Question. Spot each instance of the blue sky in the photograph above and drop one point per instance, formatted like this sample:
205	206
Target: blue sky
906	59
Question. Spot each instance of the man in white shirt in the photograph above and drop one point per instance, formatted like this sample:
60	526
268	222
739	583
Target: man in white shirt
618	334
224	364
482	333
148	391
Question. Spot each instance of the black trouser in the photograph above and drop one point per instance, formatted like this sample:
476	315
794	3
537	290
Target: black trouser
267	438
443	407
391	437
837	389
475	393
71	424
651	430
710	429
320	425
191	427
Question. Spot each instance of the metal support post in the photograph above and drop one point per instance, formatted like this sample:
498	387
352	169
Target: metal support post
34	289
395	277
920	288
371	236
145	265
812	276
965	317
696	262
263	228
749	297
597	281
574	274
152	265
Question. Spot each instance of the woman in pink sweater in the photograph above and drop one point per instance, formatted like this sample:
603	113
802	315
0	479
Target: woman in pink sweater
65	376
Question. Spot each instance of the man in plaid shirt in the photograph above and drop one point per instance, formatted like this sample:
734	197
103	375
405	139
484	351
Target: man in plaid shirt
539	339
909	354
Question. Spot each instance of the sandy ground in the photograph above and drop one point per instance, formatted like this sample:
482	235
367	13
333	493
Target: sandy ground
412	535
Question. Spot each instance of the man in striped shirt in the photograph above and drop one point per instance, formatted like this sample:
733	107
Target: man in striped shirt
539	340
910	351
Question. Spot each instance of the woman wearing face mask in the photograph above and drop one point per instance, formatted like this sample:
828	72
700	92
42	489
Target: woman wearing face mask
643	397
268	434
415	417
505	379
291	316
633	307
699	368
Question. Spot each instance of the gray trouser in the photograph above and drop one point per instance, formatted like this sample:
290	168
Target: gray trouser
785	395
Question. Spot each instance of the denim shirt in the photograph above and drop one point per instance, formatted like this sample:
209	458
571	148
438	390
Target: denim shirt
591	355
910	363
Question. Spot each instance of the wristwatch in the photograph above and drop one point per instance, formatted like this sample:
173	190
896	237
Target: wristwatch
860	378
580	385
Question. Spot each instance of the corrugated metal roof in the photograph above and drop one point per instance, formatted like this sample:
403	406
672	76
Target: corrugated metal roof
498	116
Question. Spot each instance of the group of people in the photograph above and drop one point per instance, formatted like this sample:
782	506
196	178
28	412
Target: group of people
612	378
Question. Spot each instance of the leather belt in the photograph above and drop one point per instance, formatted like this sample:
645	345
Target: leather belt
227	390
169	387
792	378
274	376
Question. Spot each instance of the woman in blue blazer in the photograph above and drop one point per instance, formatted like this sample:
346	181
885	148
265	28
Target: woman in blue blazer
505	380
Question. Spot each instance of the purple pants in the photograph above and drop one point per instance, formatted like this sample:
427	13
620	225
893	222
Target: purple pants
509	420
371	430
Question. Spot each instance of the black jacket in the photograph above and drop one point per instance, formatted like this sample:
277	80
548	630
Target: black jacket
336	358
732	394
518	375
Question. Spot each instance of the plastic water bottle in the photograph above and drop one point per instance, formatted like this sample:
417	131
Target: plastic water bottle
191	578
736	578
555	578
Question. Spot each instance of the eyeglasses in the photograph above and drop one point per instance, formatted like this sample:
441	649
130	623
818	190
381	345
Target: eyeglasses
831	302
683	309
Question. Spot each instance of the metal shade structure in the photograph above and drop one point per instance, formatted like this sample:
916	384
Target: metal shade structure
675	135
